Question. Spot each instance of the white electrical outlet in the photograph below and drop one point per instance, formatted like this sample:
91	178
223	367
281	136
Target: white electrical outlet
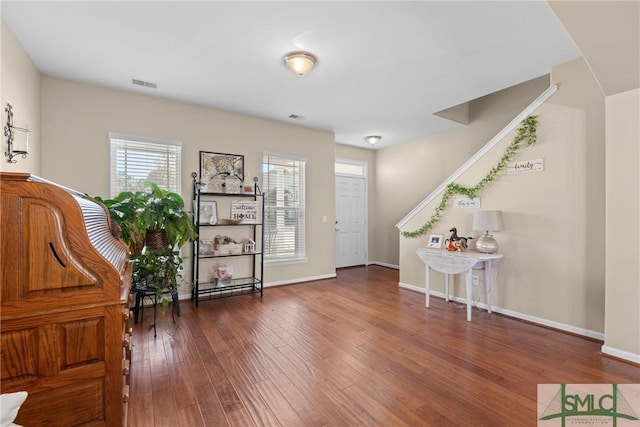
476	280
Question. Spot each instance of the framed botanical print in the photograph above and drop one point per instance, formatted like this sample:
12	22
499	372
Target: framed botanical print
216	167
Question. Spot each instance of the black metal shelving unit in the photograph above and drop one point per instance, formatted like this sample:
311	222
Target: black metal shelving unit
206	288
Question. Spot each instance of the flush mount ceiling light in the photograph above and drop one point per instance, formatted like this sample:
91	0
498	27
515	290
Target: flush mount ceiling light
372	139
300	63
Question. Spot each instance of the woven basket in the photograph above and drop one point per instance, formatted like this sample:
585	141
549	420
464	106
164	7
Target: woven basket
156	239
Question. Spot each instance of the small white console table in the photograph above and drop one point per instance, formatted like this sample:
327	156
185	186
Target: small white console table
455	263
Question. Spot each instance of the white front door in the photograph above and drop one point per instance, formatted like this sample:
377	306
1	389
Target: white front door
351	221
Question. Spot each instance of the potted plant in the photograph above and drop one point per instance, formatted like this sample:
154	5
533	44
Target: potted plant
140	215
140	212
164	210
157	271
124	210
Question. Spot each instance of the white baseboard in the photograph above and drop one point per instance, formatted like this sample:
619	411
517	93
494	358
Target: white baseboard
413	288
621	354
515	314
383	264
550	323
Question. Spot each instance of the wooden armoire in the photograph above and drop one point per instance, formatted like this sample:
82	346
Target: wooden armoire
64	315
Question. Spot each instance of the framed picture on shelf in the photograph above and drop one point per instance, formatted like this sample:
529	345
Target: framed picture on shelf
216	167
435	241
206	247
208	213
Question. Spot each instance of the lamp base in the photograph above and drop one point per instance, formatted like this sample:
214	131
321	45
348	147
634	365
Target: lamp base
486	244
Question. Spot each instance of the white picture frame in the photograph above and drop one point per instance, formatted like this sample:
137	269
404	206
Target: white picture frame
208	212
435	241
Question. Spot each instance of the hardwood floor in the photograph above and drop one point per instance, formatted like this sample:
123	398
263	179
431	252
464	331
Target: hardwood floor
355	350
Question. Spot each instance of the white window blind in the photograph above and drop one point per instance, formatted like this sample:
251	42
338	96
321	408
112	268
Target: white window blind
136	160
283	181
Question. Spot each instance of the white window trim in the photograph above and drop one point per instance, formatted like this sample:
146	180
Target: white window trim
147	140
136	138
286	156
365	167
276	261
272	262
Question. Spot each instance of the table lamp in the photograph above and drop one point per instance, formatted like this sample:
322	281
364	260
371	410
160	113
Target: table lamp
487	221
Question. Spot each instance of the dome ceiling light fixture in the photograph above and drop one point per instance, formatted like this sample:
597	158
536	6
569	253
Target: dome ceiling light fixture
372	139
300	63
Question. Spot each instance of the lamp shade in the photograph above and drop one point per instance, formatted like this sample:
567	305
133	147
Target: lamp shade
488	221
300	63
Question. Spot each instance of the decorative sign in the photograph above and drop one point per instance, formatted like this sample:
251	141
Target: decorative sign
525	166
465	202
245	210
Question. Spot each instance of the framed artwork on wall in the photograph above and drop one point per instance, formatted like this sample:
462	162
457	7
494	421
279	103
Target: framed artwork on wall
216	167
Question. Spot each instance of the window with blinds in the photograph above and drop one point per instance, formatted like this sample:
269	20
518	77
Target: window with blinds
283	181
136	160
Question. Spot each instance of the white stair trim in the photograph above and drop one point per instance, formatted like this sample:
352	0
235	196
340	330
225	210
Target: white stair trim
488	146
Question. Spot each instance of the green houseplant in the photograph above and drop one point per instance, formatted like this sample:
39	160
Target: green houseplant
164	210
139	215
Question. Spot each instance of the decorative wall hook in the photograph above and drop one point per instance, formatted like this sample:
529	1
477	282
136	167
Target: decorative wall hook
9	133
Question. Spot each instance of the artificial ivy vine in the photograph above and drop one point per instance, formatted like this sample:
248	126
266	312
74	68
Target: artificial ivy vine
526	130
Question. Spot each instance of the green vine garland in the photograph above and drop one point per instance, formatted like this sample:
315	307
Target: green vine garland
526	130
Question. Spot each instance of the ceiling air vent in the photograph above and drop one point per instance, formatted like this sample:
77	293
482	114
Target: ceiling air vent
143	83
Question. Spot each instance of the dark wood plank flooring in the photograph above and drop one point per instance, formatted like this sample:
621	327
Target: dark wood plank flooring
355	350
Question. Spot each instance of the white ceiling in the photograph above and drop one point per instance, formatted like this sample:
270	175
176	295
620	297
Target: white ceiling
383	67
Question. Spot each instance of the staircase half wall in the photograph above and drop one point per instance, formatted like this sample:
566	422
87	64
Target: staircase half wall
553	243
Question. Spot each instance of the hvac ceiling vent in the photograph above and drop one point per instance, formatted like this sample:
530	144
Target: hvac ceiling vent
143	83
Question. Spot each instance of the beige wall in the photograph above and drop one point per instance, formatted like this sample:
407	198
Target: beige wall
553	270
369	156
614	58
20	87
77	117
608	35
623	225
408	173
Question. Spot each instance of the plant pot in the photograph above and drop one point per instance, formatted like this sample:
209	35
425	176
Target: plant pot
137	244
156	239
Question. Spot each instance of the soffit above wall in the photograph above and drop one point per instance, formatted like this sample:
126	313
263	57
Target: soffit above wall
608	35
